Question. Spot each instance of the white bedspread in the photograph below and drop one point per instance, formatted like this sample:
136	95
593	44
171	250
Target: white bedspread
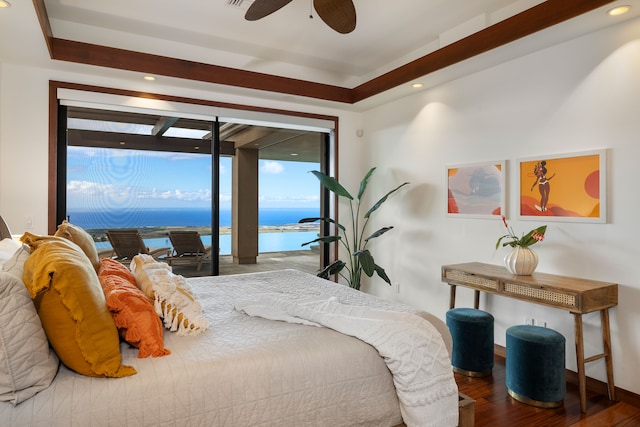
412	348
243	371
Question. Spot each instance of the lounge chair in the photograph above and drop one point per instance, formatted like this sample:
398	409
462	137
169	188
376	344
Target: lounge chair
128	243
188	248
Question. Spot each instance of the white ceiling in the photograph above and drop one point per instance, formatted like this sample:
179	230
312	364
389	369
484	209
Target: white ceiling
388	33
287	43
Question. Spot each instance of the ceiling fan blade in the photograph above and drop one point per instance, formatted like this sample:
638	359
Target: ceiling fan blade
338	14
261	8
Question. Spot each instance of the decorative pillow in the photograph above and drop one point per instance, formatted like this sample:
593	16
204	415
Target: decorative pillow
27	364
81	238
72	307
7	248
172	297
132	312
15	264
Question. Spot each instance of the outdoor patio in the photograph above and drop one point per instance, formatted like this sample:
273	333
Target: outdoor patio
308	261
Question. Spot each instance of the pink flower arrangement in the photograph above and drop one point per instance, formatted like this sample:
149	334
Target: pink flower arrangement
532	237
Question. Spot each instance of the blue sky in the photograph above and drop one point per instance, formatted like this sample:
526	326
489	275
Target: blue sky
113	178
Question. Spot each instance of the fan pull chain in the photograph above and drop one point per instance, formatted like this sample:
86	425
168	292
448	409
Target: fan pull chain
310	9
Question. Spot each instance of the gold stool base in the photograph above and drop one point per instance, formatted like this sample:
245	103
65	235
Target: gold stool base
537	403
471	373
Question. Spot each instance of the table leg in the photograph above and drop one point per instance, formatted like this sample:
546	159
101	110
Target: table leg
476	299
582	380
452	297
606	343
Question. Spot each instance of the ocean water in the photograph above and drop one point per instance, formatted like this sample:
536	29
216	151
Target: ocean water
267	242
180	217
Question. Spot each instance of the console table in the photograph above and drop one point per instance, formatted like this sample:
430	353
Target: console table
577	296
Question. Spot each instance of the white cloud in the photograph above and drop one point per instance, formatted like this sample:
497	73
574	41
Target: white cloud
85	189
272	167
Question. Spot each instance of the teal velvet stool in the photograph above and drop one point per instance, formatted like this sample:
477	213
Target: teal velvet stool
472	335
536	365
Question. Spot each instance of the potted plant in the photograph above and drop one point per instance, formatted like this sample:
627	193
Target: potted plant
522	260
353	240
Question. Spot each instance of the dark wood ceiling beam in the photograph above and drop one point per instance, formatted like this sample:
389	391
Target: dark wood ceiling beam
163	125
45	25
103	56
540	17
89	138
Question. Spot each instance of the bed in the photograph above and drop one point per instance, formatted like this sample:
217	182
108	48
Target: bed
246	369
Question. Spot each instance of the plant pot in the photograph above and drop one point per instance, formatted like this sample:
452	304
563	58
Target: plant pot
521	261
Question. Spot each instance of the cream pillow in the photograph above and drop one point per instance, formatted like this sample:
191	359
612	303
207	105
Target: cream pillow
81	238
171	295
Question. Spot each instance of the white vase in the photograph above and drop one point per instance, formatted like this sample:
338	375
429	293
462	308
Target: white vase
521	261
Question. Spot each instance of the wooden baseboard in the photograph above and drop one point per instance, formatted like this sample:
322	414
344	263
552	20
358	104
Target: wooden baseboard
593	385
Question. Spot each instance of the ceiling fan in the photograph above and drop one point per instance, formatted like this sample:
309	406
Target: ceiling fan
338	14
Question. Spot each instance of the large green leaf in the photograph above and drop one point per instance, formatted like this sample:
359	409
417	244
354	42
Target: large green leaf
382	274
528	240
366	261
325	239
384	199
332	184
333	268
378	233
324	219
364	182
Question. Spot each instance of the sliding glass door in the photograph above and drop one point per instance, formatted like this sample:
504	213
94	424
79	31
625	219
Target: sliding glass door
133	171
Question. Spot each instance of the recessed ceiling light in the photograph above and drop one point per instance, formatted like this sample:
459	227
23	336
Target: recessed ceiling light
4	3
149	78
294	154
417	85
620	10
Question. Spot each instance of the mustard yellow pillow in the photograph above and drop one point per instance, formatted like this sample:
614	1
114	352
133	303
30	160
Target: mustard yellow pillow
81	238
72	307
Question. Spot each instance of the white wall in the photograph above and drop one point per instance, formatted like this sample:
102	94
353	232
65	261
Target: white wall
581	95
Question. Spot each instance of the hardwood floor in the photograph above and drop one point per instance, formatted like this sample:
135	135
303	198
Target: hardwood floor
495	408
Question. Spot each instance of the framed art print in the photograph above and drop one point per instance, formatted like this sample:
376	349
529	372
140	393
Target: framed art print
569	187
476	190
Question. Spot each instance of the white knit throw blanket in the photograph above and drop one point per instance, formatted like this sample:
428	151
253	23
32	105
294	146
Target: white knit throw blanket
411	347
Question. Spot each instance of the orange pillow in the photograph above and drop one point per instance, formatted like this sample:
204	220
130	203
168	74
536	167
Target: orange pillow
69	300
110	267
133	313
